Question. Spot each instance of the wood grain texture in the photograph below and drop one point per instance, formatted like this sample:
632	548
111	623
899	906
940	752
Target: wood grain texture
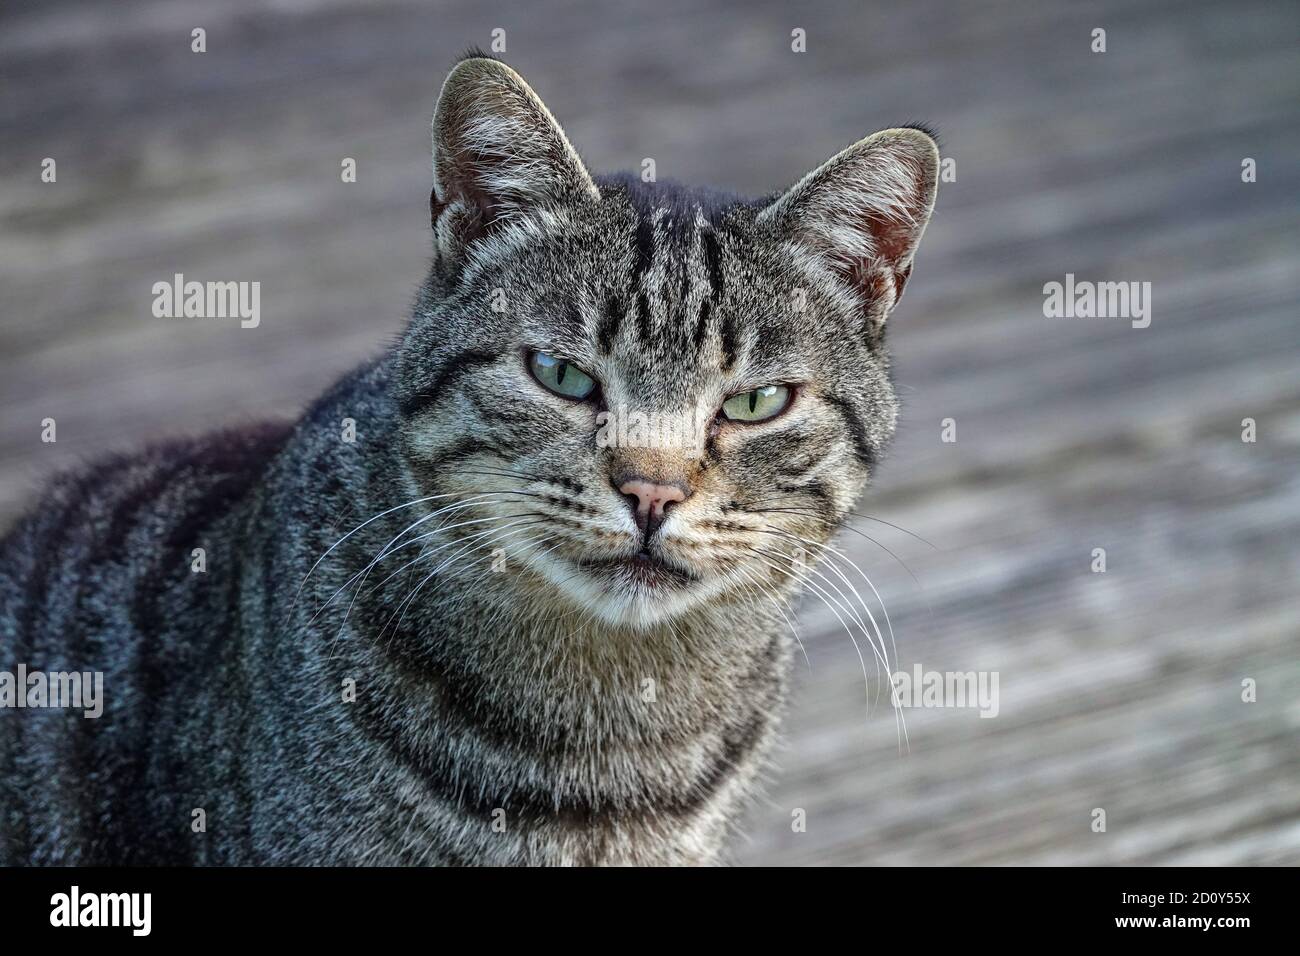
1119	690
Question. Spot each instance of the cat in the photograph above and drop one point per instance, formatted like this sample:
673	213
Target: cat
434	621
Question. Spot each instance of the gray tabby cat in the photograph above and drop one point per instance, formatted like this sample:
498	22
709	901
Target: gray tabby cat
496	628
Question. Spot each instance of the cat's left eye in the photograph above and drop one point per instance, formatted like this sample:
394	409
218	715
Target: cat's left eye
560	376
758	404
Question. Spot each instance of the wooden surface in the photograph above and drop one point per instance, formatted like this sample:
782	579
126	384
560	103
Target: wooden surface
1120	690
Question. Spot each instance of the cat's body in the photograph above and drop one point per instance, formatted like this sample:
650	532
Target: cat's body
543	677
221	696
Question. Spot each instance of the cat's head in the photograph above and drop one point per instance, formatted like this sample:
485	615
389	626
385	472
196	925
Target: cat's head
649	397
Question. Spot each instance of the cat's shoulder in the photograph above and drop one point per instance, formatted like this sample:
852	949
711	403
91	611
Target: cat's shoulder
106	496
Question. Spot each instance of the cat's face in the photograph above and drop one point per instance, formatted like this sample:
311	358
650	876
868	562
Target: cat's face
645	398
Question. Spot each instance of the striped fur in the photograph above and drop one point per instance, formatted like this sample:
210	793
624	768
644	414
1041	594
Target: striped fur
512	704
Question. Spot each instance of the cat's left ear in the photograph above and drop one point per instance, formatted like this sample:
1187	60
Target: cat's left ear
863	213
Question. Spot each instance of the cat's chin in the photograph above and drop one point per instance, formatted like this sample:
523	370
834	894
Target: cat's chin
637	591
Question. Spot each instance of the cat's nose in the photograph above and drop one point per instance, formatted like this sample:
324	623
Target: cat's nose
650	501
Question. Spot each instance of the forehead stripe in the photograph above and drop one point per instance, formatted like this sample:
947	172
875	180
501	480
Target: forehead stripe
607	330
643	252
702	324
712	260
643	324
729	340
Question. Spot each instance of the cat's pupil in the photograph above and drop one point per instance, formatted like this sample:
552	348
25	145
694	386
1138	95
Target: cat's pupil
753	400
559	375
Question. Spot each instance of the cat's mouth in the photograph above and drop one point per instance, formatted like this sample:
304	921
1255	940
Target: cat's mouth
637	588
643	568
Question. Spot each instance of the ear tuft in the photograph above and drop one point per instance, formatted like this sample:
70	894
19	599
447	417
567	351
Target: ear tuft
498	155
928	130
864	211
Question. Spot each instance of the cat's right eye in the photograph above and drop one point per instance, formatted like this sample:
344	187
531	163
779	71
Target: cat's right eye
560	376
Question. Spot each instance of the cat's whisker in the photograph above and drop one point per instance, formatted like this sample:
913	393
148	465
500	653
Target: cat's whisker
388	550
905	742
385	551
501	473
873	632
896	527
363	524
538	557
777	532
885	610
847	527
467	544
405	604
851	514
826	548
820	593
925	598
428	534
781	605
881	652
475	499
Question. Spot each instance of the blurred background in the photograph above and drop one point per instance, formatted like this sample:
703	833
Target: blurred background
1120	690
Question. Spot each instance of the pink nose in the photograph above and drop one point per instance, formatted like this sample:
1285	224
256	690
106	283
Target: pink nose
652	501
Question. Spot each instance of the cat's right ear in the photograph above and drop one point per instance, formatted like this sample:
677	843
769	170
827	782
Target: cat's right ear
499	156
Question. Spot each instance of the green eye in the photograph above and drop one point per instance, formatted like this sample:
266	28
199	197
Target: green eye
561	377
757	405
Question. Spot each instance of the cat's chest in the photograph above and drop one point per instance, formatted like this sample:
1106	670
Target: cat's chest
513	802
434	834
